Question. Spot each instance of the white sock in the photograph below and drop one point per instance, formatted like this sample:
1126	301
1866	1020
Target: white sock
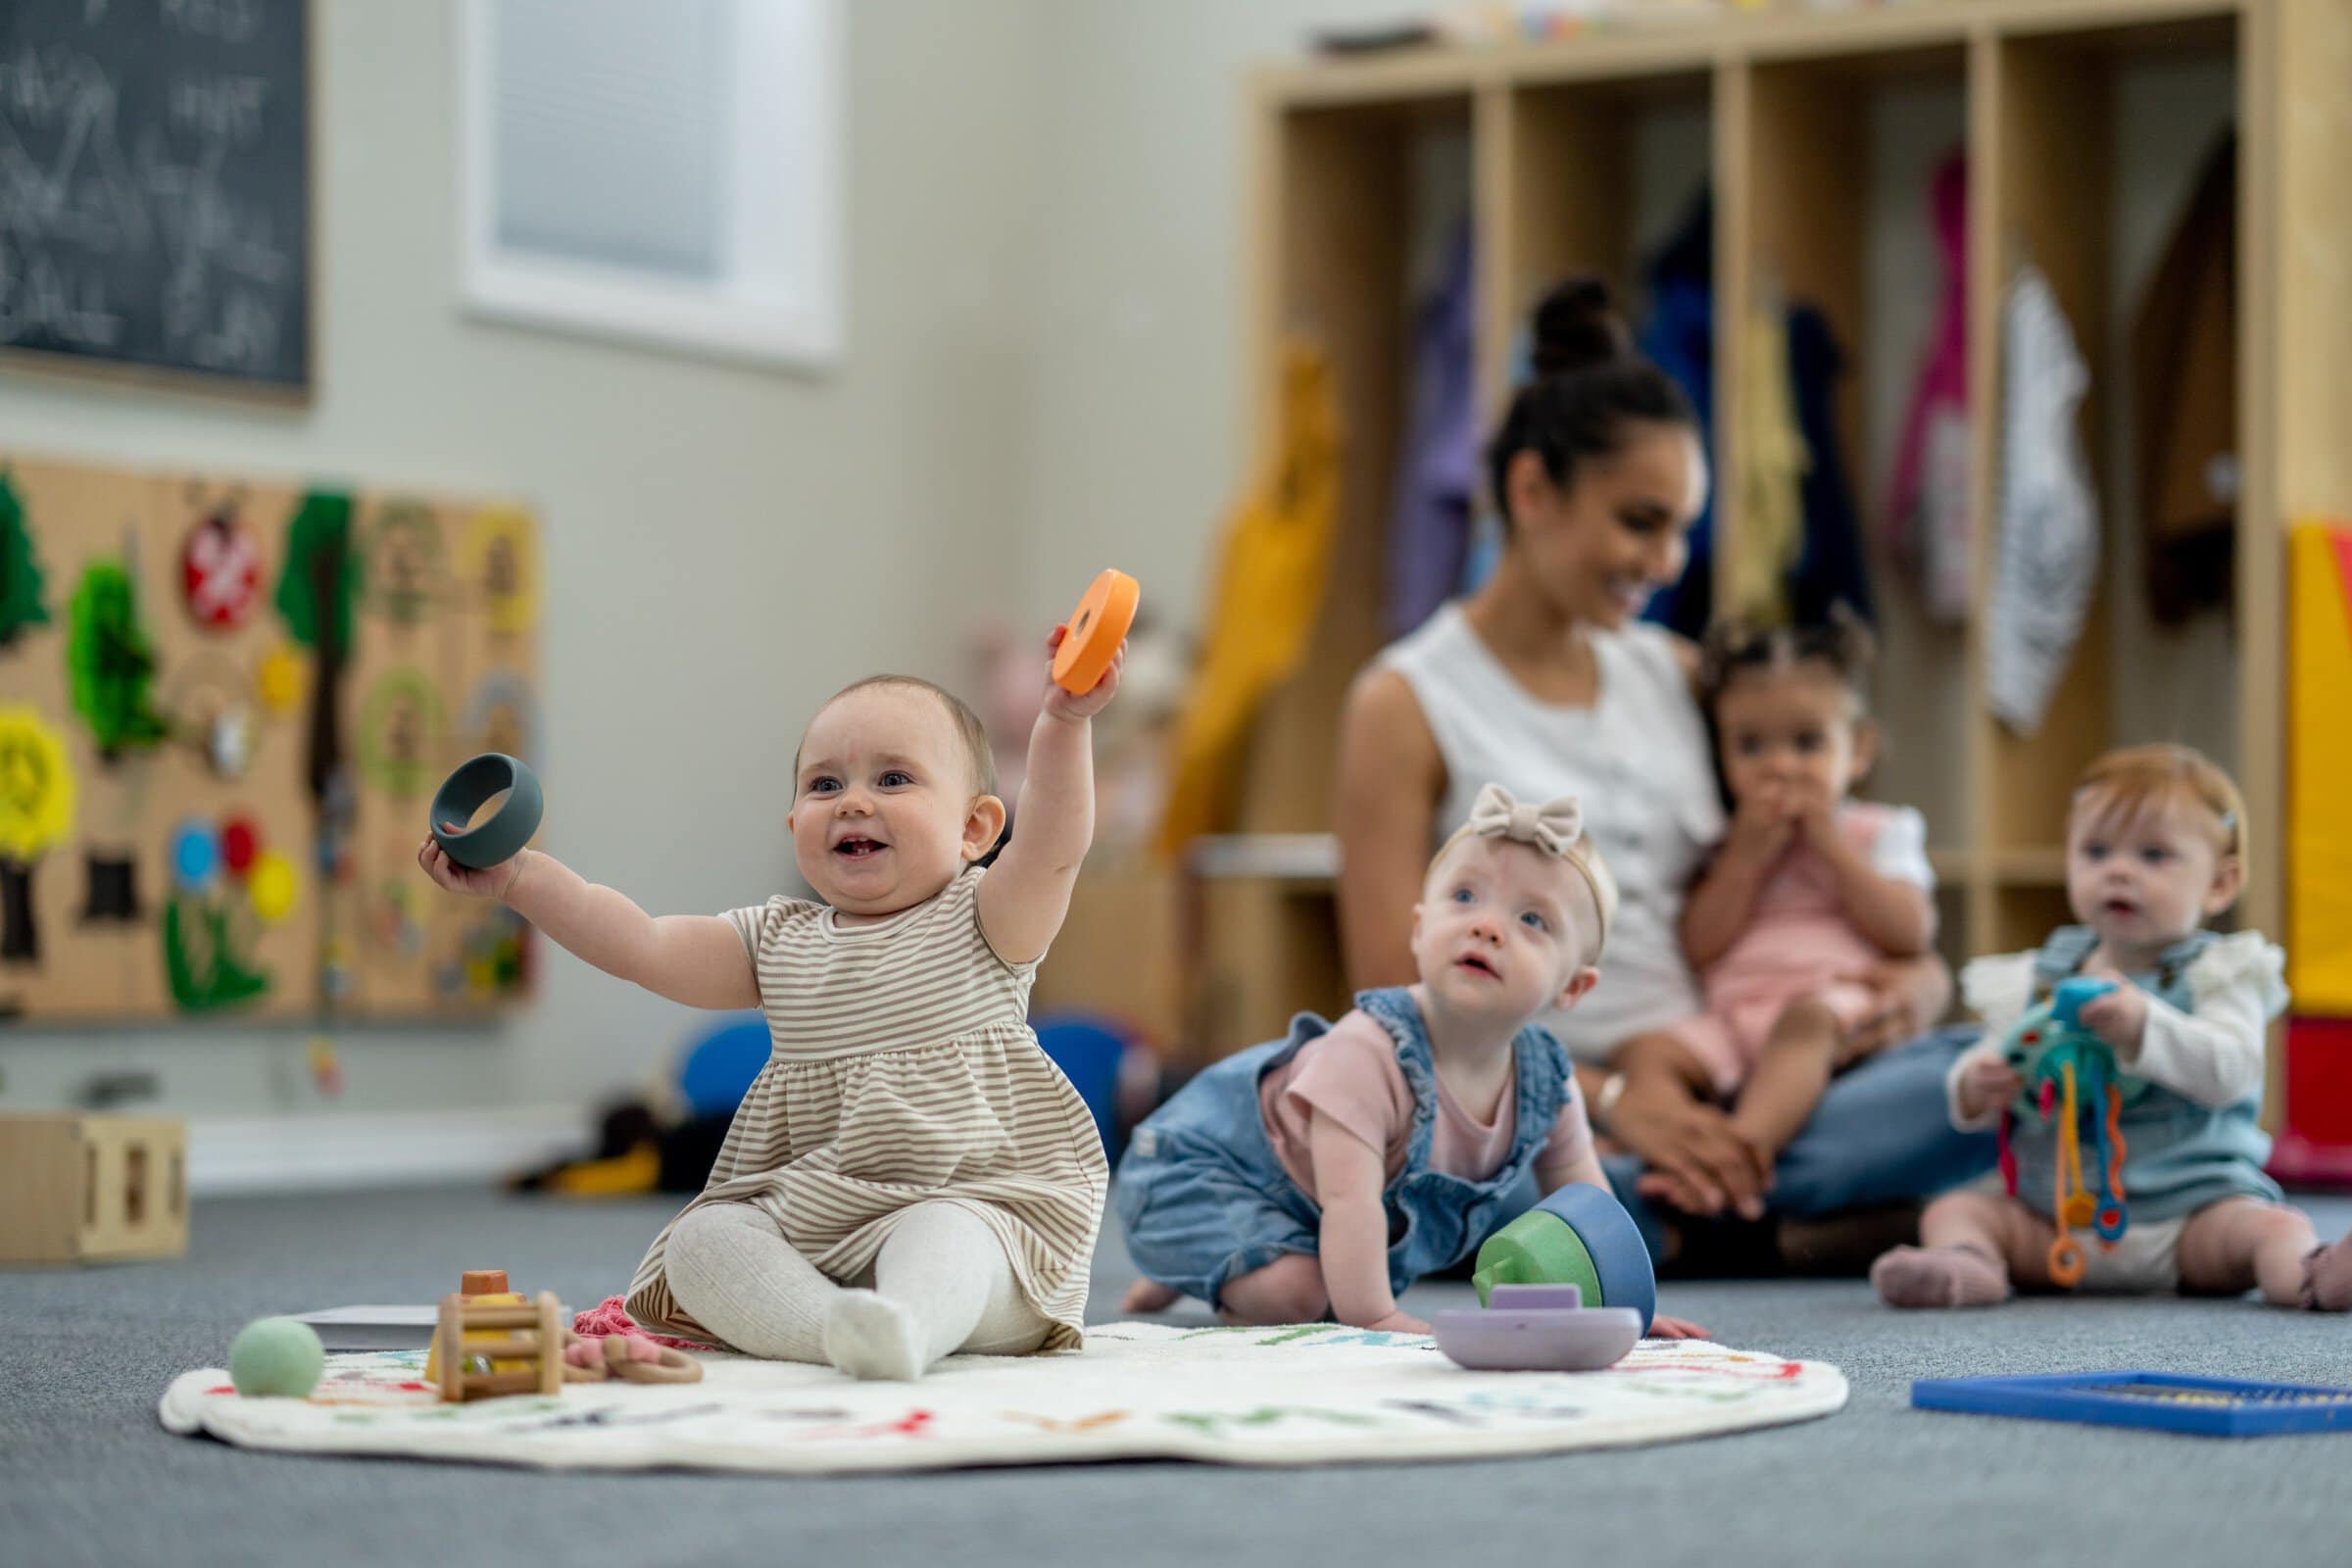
868	1337
731	1267
942	1284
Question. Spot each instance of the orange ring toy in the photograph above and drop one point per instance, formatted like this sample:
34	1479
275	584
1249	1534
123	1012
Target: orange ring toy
1096	629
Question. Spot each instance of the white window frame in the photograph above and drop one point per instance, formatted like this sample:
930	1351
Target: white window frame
784	305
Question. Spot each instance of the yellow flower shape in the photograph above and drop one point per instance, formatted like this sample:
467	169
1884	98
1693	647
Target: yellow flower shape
36	786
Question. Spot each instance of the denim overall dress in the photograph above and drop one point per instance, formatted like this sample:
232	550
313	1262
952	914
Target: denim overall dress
1204	1200
2178	1155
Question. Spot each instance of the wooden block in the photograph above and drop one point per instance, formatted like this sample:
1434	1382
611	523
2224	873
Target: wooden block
90	1188
42	1169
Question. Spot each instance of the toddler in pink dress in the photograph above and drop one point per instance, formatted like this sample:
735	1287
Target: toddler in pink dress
1808	889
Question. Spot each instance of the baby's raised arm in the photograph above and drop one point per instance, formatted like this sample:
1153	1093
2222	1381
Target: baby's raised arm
1026	894
694	959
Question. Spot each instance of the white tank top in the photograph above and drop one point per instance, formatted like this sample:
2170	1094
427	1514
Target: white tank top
1638	758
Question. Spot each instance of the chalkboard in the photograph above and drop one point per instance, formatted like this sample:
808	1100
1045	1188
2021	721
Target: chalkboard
154	185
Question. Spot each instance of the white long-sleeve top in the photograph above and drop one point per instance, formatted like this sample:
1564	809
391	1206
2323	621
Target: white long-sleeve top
2212	1054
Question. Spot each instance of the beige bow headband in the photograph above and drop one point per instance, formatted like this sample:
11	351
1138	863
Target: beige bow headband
1555	828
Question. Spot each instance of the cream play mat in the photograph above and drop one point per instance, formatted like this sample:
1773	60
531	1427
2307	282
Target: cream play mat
1314	1395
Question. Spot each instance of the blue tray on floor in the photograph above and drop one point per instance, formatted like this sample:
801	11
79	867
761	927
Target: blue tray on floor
2163	1402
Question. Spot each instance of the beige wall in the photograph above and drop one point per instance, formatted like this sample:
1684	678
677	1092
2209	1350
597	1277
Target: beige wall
724	544
1135	435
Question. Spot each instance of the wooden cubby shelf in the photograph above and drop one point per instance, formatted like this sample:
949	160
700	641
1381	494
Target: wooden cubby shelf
2083	123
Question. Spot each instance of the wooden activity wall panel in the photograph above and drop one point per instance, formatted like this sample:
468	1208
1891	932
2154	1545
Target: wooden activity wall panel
224	705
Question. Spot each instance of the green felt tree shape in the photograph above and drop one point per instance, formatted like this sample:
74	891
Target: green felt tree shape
112	661
315	596
201	958
21	603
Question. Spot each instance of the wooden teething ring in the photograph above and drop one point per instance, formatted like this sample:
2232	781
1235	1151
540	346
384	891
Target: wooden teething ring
672	1366
612	1360
1096	629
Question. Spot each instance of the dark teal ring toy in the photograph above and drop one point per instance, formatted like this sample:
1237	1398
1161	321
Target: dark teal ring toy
510	827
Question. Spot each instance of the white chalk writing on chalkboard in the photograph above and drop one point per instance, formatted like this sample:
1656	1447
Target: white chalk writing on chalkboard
152	166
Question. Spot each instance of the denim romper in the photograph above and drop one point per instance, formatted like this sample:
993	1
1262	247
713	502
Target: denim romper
2178	1157
1204	1200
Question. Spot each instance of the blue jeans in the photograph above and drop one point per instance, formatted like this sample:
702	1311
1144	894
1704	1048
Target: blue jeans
1204	1200
1880	1134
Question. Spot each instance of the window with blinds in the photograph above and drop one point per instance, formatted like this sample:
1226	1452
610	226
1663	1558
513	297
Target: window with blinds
661	170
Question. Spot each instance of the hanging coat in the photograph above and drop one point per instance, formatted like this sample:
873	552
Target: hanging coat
1833	569
1429	531
1679	339
1269	586
1926	507
2047	563
1772	510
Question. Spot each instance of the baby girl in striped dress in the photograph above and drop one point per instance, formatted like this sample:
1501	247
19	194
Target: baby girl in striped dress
908	1176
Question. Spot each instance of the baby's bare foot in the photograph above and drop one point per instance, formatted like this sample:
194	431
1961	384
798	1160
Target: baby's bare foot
1938	1276
1148	1296
2327	1277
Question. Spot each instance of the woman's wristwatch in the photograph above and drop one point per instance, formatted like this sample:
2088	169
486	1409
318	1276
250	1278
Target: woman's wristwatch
1605	1103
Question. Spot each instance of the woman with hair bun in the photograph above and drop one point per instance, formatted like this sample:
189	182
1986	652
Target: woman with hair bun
1547	681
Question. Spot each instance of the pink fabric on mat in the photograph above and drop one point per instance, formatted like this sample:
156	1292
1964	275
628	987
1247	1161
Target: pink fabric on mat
608	1316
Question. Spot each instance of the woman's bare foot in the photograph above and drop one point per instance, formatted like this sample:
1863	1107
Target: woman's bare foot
1148	1296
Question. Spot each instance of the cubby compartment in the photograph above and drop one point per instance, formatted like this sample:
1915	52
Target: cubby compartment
1365	197
1370	203
1594	177
2098	140
1835	165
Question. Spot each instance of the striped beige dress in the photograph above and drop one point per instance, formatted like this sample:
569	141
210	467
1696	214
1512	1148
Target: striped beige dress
902	1069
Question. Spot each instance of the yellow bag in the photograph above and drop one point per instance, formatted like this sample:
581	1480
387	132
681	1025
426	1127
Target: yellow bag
1269	587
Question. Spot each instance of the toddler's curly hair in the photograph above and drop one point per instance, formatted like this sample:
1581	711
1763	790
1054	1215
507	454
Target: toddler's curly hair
1843	644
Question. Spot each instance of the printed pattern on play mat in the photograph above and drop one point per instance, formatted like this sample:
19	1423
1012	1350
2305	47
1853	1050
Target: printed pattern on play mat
1313	1394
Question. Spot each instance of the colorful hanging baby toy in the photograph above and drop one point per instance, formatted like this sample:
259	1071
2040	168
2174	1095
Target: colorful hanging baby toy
2067	1068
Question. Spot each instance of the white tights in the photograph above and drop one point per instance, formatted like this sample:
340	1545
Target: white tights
941	1284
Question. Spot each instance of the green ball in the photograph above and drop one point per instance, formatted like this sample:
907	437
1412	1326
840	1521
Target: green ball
276	1357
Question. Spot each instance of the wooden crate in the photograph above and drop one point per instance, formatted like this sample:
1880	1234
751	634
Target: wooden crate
92	1189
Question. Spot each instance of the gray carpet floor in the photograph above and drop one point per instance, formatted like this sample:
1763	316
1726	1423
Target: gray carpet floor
87	1475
